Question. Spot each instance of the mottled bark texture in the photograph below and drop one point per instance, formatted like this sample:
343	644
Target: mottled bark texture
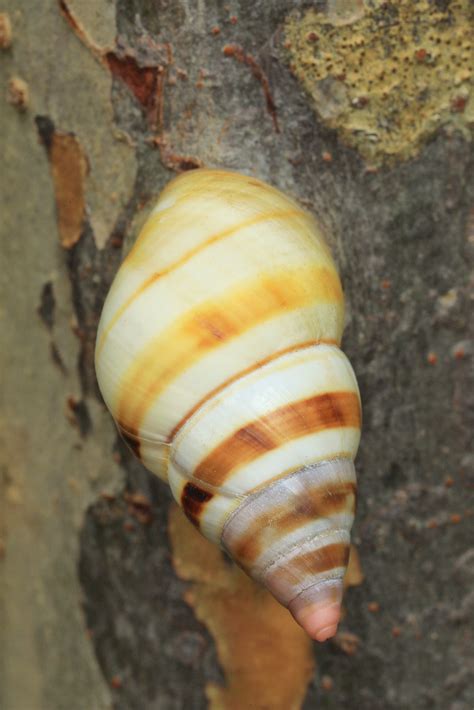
102	102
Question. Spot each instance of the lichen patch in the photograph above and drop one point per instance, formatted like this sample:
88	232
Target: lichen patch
386	74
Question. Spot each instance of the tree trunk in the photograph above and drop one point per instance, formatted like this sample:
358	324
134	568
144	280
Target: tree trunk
360	110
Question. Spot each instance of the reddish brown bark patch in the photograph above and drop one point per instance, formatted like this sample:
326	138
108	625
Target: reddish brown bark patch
5	30
175	161
69	169
140	80
237	52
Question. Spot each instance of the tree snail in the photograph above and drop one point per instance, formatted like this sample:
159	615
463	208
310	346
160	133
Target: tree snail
218	357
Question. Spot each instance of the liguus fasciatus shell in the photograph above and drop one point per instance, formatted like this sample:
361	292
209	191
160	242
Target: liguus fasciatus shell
218	356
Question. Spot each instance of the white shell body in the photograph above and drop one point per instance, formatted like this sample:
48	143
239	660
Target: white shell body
218	356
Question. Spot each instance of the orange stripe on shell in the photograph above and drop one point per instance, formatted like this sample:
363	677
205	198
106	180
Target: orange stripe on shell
278	521
212	324
153	278
323	411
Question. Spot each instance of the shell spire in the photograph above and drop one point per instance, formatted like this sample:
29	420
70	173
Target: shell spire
218	356
294	538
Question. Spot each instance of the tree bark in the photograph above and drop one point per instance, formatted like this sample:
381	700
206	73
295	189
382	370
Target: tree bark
103	102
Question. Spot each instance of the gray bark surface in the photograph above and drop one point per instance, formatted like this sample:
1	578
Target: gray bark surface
92	615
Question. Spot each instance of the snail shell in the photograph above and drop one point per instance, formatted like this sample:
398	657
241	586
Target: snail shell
218	356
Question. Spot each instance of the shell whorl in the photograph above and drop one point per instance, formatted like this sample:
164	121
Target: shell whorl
217	354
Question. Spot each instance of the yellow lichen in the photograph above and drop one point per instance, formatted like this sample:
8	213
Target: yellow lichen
386	74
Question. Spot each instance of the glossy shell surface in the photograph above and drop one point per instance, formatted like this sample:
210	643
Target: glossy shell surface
218	356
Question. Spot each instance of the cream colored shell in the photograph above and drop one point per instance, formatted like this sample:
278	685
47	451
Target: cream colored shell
218	356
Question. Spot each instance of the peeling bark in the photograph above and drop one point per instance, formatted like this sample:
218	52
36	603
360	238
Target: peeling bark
68	169
256	638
